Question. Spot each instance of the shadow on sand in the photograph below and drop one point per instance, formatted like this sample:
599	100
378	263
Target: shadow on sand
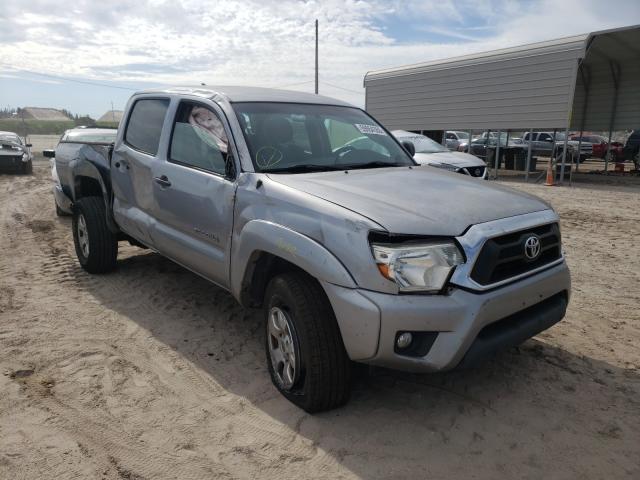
533	410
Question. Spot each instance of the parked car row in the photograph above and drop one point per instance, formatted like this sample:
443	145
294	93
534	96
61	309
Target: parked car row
591	145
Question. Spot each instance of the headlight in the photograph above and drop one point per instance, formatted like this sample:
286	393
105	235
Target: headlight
446	166
417	267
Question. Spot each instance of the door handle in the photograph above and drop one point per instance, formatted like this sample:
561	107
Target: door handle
163	181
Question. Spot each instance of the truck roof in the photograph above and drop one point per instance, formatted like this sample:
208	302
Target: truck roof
249	94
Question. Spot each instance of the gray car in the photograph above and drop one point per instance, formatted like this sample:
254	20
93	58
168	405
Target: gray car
542	144
353	251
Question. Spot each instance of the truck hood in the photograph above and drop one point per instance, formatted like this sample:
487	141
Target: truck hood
415	201
457	159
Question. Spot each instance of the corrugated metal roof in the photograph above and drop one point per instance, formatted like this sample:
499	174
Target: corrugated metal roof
573	43
529	86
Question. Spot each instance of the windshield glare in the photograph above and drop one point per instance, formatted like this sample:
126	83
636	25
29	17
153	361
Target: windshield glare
90	136
10	138
422	143
293	137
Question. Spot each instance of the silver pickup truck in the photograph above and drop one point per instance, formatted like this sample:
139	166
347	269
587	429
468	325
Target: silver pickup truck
353	250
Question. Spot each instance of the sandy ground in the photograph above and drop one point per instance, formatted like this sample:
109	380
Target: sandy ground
151	373
42	142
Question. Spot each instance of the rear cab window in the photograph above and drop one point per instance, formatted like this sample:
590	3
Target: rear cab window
144	127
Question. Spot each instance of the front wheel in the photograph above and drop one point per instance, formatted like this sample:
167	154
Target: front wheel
96	246
306	357
27	168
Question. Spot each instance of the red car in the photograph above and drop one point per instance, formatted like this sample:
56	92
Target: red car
600	146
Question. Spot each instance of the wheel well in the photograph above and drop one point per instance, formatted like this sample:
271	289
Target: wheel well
262	267
87	187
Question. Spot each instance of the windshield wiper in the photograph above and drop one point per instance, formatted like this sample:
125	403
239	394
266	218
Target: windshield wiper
303	168
377	164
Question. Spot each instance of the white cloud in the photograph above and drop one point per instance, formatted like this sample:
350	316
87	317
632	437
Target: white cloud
270	43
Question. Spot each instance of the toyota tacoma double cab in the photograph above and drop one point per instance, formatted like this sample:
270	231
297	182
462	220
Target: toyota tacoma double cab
354	251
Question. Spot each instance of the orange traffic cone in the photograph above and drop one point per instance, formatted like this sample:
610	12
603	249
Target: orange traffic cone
549	182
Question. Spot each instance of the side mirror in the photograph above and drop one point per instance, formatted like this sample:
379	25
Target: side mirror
409	147
49	153
229	167
28	145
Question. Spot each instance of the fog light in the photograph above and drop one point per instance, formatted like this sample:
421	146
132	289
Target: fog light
404	340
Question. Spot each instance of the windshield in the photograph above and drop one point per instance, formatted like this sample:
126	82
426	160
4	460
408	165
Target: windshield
293	137
10	138
422	143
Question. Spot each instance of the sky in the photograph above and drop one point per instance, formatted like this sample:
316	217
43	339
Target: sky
84	55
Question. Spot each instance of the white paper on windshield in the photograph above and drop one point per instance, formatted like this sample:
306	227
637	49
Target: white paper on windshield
370	129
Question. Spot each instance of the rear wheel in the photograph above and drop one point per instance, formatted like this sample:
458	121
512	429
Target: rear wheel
96	246
305	353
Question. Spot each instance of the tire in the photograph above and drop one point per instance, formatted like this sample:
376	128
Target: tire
26	168
322	378
96	246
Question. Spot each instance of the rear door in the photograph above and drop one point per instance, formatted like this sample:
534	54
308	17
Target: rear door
194	191
131	166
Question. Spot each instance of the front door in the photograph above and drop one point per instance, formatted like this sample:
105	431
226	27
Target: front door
194	194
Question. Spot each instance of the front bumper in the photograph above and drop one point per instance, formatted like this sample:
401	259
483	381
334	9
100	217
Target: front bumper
12	161
369	321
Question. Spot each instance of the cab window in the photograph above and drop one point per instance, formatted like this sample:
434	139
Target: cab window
144	127
199	139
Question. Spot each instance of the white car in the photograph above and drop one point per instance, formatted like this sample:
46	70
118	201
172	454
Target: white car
432	153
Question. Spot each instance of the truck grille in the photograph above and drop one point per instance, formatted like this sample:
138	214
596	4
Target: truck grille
504	257
475	171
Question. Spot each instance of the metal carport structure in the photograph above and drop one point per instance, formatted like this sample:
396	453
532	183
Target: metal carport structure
583	82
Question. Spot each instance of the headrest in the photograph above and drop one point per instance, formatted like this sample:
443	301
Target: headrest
278	130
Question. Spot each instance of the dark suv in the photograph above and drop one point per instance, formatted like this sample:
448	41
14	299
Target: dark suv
632	148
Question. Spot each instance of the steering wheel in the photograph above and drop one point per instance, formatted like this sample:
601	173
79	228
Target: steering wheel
343	151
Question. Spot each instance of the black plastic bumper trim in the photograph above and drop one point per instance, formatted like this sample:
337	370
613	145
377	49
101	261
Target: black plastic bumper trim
515	329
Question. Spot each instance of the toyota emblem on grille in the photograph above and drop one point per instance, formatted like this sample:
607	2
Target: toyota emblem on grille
478	172
532	247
